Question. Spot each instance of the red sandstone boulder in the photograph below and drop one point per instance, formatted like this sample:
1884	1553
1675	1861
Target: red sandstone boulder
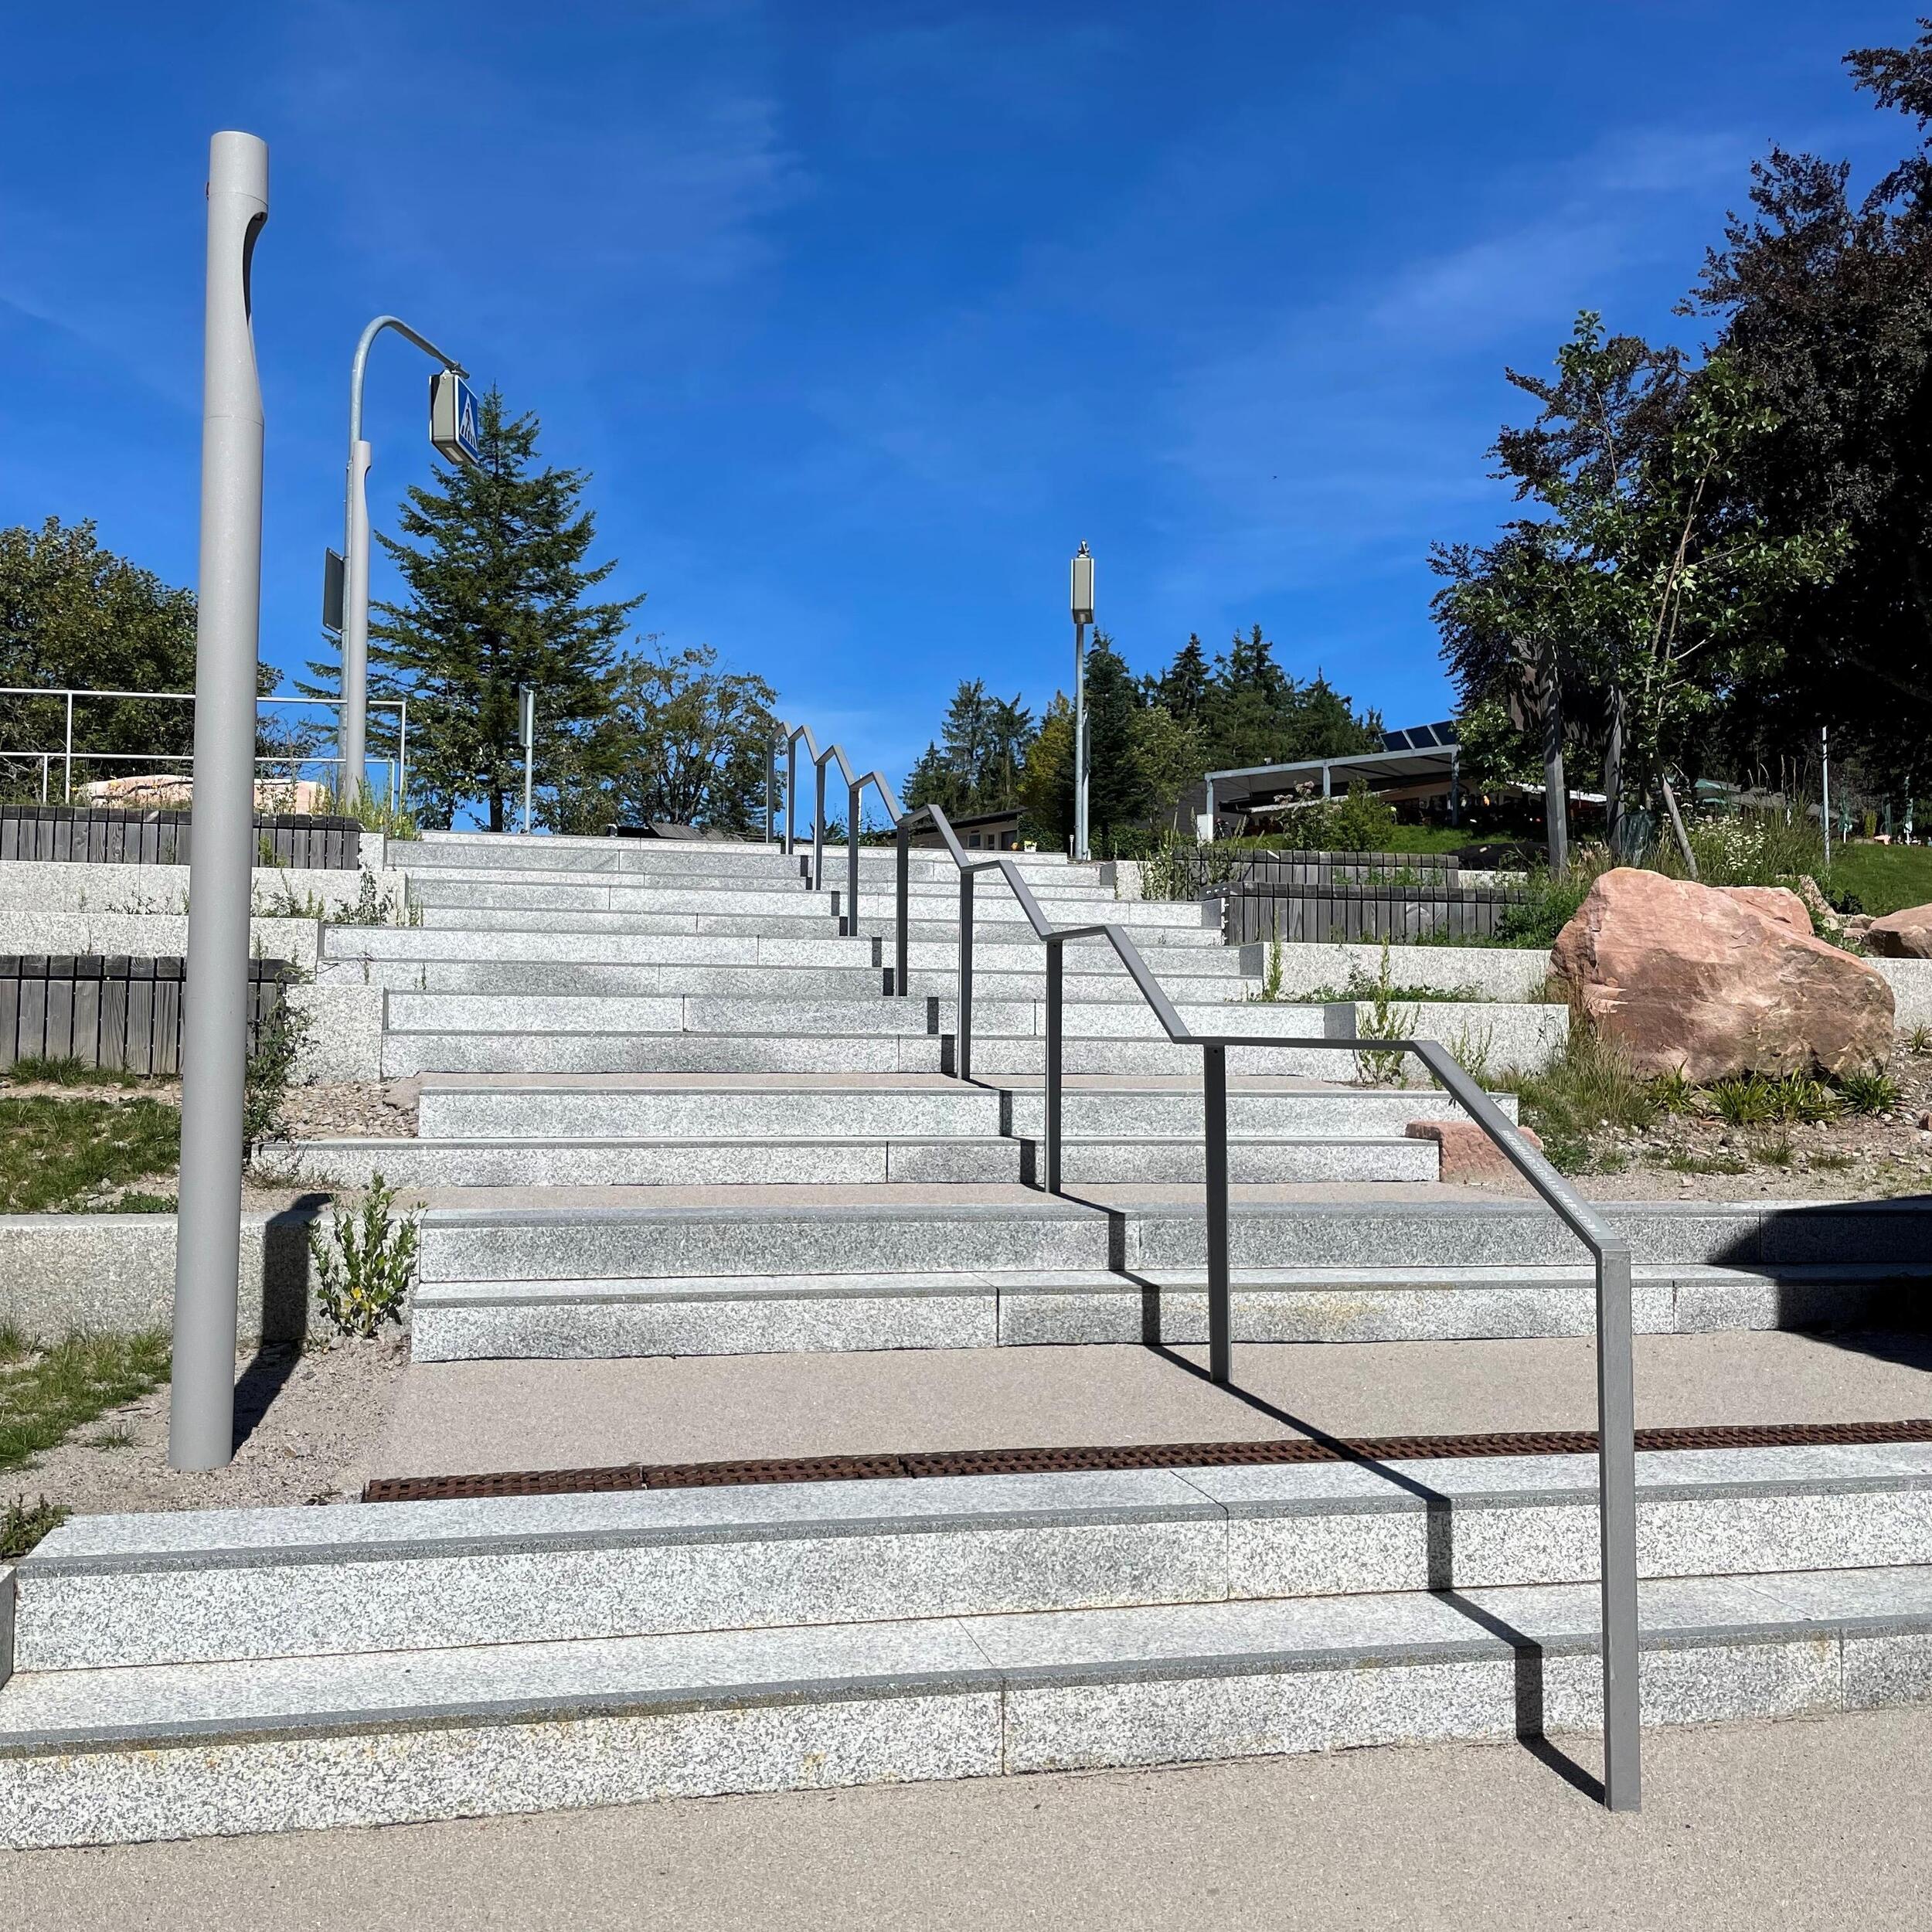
1778	903
1902	935
1708	981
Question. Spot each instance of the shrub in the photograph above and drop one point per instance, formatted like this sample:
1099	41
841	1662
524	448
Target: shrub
279	1043
364	1268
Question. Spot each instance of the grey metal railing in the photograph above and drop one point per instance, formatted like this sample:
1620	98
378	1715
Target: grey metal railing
1616	1437
788	736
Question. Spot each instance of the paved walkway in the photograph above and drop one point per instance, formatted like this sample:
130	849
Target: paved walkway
1803	1826
469	1416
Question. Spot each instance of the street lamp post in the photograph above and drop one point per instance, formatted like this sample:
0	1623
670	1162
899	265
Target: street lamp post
353	745
528	693
201	1402
1083	604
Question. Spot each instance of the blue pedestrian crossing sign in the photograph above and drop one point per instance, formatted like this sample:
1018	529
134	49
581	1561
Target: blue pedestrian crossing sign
455	418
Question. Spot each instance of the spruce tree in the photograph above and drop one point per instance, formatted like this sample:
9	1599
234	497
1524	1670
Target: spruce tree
1182	688
495	562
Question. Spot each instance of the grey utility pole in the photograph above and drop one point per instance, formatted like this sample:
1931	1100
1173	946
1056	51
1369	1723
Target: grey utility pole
354	744
201	1416
1083	603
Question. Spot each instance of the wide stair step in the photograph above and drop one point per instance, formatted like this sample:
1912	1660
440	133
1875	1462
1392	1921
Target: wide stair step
223	1672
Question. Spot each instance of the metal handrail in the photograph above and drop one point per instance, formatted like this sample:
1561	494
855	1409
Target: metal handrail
788	736
1616	1441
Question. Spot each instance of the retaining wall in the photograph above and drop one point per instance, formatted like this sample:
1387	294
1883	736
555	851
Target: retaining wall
116	1272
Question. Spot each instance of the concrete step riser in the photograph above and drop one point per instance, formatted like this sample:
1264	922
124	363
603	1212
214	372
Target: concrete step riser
405	1054
410	1012
853	981
609	1322
435	1576
347	947
713	1115
989	932
1065	910
481	888
561	1244
849	1162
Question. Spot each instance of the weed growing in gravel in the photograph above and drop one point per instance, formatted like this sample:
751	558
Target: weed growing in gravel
1386	1021
136	1202
364	1268
1592	1086
1919	1041
1683	1163
44	1400
23	1524
1773	1153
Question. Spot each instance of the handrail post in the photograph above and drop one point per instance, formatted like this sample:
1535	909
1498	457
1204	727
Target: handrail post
771	787
1055	960
1214	1095
903	949
964	1031
818	827
851	862
1617	1492
791	793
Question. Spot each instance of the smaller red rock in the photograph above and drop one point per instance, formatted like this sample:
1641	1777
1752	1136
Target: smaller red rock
1468	1154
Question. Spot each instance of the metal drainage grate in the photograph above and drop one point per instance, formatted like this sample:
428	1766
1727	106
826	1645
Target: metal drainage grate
1171	1455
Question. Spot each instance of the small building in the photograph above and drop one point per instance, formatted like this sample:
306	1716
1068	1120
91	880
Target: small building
981	832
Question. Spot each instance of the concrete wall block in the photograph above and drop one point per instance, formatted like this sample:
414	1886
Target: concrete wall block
116	1272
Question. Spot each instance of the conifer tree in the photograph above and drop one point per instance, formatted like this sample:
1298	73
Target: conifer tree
494	561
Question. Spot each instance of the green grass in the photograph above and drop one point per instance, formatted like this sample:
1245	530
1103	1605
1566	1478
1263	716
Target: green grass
67	1071
56	1153
1453	838
1884	878
136	1202
43	1399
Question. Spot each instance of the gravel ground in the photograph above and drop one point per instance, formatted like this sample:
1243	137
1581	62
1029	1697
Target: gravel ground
310	1418
363	1110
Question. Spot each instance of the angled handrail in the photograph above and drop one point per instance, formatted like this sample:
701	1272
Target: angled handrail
1616	1439
788	736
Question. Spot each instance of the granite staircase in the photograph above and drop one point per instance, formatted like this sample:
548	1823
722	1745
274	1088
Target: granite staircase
671	1102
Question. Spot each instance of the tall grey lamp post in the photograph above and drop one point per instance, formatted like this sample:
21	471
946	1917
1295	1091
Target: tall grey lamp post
201	1412
354	743
528	693
1083	603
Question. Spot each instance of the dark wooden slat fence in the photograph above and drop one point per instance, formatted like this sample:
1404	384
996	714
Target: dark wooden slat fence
111	1011
77	835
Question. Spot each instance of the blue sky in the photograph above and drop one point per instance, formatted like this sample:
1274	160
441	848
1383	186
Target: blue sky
863	314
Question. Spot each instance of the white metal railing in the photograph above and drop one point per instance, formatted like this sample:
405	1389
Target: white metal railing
65	754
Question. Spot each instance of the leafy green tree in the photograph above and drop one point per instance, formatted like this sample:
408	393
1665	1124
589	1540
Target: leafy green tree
934	781
681	741
1826	306
494	561
1046	779
75	615
1646	580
